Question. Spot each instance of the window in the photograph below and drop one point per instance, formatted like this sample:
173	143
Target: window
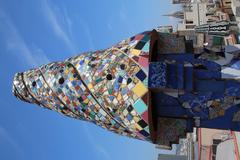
190	26
216	142
189	22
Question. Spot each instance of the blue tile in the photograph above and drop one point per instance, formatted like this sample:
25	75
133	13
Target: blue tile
183	57
188	78
206	74
140	106
141	75
172	76
157	75
208	64
209	86
180	76
232	88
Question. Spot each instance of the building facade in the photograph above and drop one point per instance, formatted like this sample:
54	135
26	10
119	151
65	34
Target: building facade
165	29
180	1
218	144
171	157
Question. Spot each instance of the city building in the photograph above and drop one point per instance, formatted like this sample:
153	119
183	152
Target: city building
189	146
226	6
199	15
236	10
194	14
180	1
177	14
219	28
165	29
218	144
171	157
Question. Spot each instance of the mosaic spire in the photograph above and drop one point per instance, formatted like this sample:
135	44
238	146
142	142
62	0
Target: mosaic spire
105	87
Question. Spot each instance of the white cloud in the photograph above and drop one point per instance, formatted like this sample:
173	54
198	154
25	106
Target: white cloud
109	26
87	32
39	55
94	143
16	44
6	137
122	13
67	21
60	23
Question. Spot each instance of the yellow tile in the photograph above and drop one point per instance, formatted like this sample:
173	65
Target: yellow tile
136	119
138	127
66	71
121	116
71	79
86	101
119	97
135	52
139	89
90	86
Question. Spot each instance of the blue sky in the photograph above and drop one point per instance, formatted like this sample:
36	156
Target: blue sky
37	32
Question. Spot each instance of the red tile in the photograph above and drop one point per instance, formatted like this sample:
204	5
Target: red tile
139	37
143	61
145	98
136	58
145	116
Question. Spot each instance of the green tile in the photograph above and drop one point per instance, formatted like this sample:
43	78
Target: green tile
140	106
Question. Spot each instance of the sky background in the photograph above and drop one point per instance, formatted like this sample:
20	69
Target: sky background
38	32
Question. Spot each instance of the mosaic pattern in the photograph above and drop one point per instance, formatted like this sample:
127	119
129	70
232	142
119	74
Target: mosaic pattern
196	88
236	117
64	79
118	87
171	43
157	75
137	48
107	87
44	94
170	130
20	89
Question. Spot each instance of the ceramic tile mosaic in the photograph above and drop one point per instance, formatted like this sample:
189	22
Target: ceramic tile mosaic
170	130
171	43
137	47
44	94
117	83
200	89
64	79
157	75
236	117
21	90
107	87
